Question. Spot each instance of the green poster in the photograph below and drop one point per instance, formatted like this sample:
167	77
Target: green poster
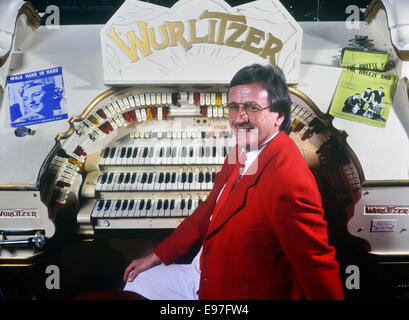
364	96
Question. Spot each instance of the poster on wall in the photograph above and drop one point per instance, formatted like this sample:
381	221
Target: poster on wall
36	97
364	96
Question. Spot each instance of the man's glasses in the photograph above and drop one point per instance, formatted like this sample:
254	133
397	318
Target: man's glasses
248	107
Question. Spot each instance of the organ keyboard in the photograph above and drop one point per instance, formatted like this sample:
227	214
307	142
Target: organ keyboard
162	159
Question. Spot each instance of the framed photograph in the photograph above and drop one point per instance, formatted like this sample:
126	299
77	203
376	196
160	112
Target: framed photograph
364	96
36	97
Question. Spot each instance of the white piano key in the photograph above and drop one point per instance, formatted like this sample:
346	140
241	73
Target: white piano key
177	212
149	210
132	212
116	209
136	153
99	206
166	208
133	182
150	181
109	205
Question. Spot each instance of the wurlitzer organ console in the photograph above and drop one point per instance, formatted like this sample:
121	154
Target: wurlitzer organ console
148	127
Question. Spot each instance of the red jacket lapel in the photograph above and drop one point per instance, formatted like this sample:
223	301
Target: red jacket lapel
237	196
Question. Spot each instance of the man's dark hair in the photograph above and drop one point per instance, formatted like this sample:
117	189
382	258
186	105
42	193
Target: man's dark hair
271	78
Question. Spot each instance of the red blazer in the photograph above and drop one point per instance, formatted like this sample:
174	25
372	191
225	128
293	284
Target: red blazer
269	241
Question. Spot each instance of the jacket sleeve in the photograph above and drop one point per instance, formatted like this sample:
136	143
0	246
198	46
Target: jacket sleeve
300	227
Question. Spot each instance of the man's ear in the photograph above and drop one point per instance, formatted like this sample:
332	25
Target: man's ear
279	120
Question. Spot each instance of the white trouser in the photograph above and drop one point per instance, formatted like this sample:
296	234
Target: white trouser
172	282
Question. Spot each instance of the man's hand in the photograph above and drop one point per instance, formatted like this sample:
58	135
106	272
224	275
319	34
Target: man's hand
139	265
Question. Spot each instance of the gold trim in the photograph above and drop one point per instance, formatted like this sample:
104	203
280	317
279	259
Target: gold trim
20	261
33	18
372	10
370	14
18	187
87	110
307	100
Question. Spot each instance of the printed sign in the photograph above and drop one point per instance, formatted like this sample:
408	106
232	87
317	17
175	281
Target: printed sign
365	60
36	97
364	96
19	213
383	225
374	210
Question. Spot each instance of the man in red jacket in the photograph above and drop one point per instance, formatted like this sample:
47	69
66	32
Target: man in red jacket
261	235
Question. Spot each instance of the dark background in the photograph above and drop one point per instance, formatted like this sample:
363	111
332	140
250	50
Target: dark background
100	11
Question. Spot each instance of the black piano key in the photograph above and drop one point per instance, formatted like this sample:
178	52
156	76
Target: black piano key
124	205
106	153
173	180
104	178
135	152
213	176
142	204
100	205
111	176
131	204
148	204
107	205
129	152
111	155
172	204
133	178
167	177
144	176
151	152
214	152
150	177
182	204
168	152
207	175
201	151
224	151
123	152
189	204
190	177
127	177
203	134
174	152
191	151
201	177
159	205
207	152
183	177
184	152
145	152
121	178
160	177
117	205
200	201
161	151
166	204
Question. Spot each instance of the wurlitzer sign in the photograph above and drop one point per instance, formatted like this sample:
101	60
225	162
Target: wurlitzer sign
197	41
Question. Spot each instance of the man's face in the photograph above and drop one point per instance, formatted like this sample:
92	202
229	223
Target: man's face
256	127
33	99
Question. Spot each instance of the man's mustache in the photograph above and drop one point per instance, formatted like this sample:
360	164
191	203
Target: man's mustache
243	125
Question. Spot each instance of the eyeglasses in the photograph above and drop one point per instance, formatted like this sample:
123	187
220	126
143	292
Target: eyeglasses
248	107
